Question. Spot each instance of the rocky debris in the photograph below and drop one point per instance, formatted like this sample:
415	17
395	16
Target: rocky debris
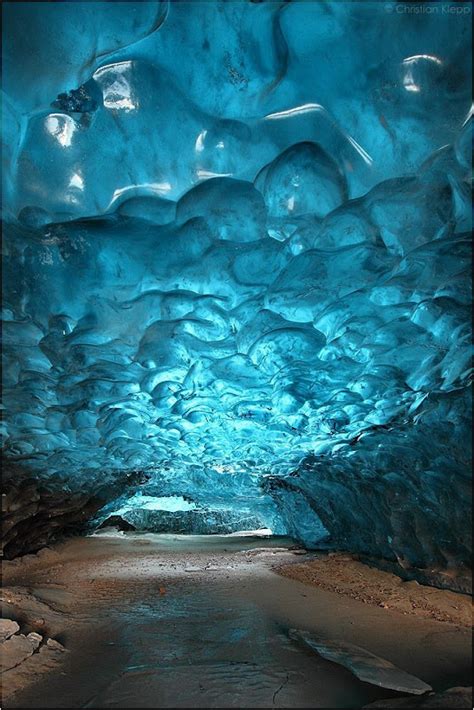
34	516
55	645
31	612
452	698
17	648
7	629
457	578
25	656
363	664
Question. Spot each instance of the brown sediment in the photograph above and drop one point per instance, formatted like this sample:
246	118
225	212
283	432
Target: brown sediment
346	575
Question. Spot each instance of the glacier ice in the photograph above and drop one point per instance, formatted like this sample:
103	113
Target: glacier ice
302	180
237	260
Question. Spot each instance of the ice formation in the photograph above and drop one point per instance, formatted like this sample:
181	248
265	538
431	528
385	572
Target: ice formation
236	261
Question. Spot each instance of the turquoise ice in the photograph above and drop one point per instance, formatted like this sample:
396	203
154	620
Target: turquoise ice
237	261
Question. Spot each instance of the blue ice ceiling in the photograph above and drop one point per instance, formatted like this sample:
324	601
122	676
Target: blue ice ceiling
236	259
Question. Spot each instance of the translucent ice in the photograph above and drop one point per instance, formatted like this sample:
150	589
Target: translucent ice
302	180
236	261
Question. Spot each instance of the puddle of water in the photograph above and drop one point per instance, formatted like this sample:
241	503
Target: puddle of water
198	648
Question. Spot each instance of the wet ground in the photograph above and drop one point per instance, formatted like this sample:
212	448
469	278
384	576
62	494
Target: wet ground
169	622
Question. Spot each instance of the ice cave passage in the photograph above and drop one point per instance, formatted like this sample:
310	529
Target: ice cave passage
236	275
236	292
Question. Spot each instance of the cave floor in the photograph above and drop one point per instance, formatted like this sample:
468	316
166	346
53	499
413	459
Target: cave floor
162	621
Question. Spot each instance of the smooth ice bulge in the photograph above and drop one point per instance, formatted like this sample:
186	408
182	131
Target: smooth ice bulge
242	283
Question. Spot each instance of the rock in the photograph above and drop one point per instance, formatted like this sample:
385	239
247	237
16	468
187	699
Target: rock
34	637
363	664
55	645
7	629
17	648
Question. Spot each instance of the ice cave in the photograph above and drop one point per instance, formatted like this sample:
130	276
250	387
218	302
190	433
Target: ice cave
236	313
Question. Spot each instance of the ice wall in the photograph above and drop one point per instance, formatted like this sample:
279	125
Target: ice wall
236	261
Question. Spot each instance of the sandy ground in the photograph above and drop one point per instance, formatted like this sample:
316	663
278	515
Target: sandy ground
341	573
161	621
